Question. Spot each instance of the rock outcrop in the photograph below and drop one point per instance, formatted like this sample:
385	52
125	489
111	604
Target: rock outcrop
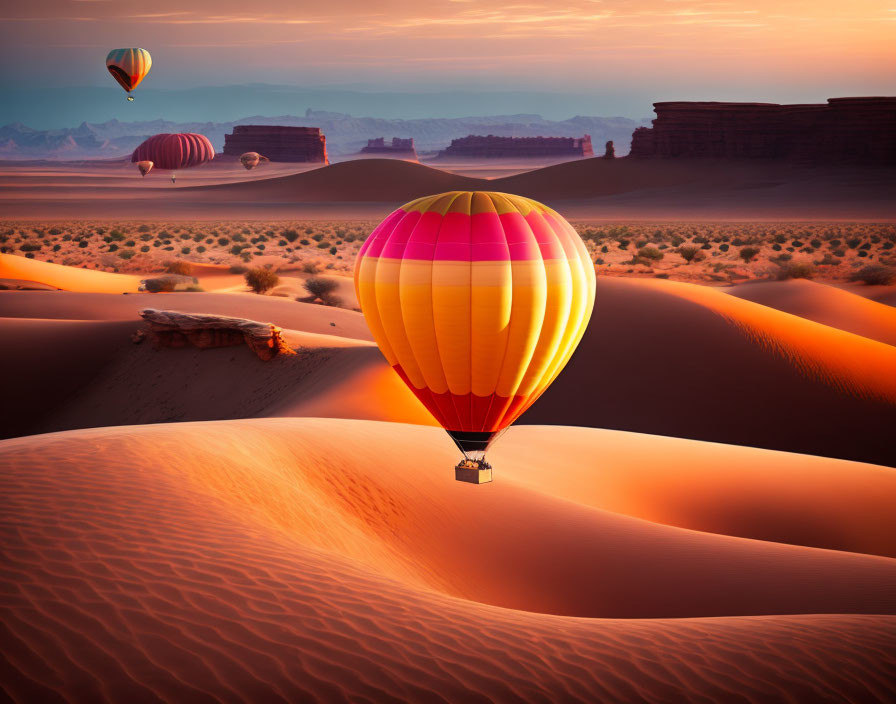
278	143
845	130
175	329
494	147
609	150
398	147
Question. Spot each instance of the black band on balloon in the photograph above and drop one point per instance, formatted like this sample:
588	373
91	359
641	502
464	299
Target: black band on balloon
471	442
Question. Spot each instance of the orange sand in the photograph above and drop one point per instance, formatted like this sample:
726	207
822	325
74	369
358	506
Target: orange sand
280	559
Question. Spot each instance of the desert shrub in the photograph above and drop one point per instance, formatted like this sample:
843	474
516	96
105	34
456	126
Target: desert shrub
863	252
57	247
162	284
648	253
624	243
184	250
724	247
30	247
178	267
748	254
54	231
290	235
317	237
83	244
115	236
310	267
333	251
130	243
690	253
323	245
853	242
113	247
304	242
796	270
200	248
238	269
875	275
223	241
143	228
144	248
321	288
260	279
237	249
127	254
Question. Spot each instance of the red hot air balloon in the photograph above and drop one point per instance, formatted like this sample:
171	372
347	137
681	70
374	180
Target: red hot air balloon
171	152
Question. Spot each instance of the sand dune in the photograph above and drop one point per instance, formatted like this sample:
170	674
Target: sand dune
747	492
586	188
67	278
828	305
278	559
691	361
659	357
91	375
97	306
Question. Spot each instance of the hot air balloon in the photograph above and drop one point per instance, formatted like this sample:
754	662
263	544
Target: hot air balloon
145	167
477	300
129	67
175	151
252	159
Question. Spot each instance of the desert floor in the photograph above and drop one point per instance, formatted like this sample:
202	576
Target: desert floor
699	509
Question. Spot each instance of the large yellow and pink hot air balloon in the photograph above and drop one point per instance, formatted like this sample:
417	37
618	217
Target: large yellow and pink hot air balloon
478	301
129	67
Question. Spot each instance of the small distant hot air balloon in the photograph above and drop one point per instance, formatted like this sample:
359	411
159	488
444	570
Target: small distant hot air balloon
129	67
252	159
144	166
477	300
171	152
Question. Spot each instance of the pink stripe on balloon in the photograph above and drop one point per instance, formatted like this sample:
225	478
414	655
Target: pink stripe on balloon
377	246
547	239
422	241
381	230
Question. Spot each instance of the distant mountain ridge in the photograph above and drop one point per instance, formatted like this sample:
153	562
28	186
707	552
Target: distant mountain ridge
345	133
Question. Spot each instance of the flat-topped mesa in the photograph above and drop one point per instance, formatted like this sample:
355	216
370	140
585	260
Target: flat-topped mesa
494	147
278	143
398	147
844	130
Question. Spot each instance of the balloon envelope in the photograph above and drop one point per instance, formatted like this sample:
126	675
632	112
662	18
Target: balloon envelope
144	166
252	159
478	301
175	151
129	66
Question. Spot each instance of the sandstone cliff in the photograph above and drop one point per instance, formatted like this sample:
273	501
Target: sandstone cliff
844	130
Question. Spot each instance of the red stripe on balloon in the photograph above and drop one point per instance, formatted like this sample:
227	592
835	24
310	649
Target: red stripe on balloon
467	412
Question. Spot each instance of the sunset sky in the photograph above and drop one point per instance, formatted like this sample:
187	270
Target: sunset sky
659	49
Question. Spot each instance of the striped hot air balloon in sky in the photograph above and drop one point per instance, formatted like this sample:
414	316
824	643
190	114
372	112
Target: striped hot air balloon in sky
129	67
478	301
175	151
